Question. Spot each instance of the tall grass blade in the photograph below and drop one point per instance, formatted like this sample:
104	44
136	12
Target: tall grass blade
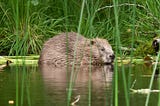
152	78
115	3
17	30
73	66
132	46
65	9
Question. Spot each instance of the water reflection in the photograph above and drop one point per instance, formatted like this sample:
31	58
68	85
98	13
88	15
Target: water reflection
151	65
49	87
57	80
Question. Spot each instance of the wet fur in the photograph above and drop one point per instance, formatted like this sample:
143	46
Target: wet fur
56	49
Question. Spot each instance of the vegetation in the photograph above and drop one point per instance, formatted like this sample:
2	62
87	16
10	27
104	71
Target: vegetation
26	24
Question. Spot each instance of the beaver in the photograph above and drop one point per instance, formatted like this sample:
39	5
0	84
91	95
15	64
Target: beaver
74	48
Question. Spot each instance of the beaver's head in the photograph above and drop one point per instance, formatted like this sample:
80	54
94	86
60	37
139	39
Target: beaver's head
104	49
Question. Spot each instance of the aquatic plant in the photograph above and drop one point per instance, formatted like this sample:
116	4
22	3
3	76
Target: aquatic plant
26	24
39	20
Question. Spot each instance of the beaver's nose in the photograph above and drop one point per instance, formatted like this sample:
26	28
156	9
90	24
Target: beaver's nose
112	56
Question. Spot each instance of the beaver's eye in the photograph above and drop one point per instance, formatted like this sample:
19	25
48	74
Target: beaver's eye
102	49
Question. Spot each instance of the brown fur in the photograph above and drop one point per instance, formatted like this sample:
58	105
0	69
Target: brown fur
55	50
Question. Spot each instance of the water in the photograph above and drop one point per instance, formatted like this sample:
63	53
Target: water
49	86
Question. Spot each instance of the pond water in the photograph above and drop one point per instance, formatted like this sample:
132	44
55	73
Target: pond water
49	86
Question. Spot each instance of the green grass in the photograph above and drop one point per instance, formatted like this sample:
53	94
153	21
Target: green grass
39	20
27	24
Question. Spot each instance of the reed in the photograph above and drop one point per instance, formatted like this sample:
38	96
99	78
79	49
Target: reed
26	24
152	78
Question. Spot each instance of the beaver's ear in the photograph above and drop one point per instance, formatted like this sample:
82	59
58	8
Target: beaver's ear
92	42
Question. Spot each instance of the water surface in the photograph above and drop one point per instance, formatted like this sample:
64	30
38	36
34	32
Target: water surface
49	85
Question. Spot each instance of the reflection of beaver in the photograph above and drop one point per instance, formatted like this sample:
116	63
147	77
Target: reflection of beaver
57	79
56	50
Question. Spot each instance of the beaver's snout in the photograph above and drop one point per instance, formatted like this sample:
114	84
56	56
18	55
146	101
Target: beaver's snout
109	59
112	56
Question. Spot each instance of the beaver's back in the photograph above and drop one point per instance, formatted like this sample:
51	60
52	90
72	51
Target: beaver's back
58	46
